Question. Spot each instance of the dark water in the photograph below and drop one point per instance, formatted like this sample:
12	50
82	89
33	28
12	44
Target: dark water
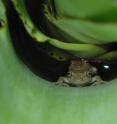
107	70
27	50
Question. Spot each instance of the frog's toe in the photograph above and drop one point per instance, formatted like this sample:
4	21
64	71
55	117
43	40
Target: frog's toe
97	80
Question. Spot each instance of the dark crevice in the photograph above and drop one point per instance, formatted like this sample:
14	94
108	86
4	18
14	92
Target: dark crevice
28	50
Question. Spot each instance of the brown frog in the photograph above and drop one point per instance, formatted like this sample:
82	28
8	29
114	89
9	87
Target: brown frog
80	73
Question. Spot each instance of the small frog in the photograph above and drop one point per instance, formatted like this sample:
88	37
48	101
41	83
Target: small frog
80	73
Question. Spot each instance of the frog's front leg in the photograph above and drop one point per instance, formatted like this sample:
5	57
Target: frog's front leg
62	81
97	80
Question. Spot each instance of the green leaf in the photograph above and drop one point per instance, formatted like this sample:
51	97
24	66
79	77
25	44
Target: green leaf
87	31
84	9
28	99
109	56
36	34
29	25
81	50
88	21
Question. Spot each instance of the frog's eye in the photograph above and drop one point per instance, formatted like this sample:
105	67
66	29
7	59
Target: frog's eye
89	74
69	74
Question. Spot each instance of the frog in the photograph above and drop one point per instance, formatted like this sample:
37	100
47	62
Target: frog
80	73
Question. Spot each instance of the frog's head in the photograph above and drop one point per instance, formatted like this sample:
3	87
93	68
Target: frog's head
81	73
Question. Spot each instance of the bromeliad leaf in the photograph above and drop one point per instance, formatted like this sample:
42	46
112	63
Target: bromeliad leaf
83	31
40	37
83	9
88	21
88	32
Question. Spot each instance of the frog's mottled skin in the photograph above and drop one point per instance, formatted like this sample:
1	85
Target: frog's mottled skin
81	73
